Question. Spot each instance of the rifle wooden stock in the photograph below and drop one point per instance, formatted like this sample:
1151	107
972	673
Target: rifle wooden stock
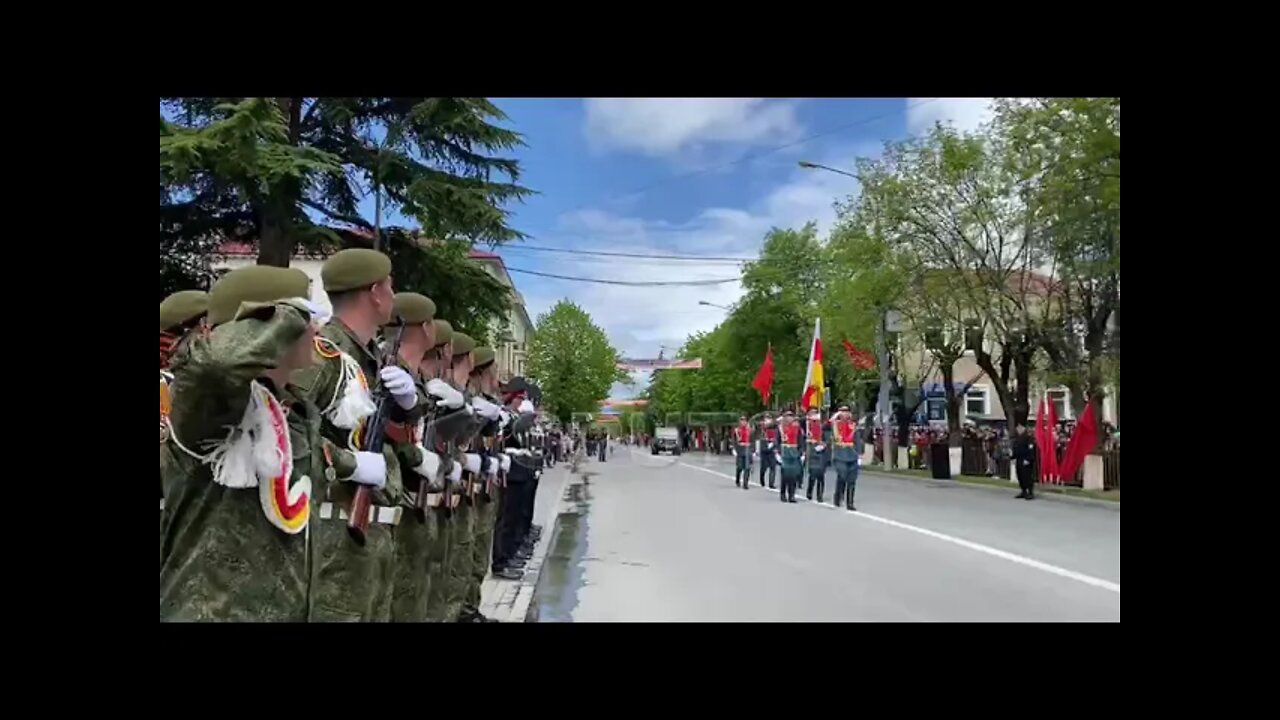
375	434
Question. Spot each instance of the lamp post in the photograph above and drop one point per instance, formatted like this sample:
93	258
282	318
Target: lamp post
711	304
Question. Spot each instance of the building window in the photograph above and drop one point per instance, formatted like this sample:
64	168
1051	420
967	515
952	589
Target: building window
975	400
1061	400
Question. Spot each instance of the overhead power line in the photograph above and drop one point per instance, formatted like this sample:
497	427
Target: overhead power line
656	256
630	283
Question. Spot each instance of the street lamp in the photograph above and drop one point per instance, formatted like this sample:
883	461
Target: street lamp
815	166
882	346
711	304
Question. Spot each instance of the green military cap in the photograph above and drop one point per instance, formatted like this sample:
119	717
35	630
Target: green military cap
444	332
484	355
413	309
182	307
354	269
462	343
254	284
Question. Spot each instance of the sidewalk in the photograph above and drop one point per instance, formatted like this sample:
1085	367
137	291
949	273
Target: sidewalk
508	600
1048	492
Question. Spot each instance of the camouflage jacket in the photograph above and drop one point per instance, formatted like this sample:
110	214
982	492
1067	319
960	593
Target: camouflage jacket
412	436
321	383
220	558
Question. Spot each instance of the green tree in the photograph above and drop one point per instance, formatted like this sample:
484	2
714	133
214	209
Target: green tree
1065	154
253	169
571	359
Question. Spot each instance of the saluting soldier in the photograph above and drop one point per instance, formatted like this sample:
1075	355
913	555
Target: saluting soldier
243	453
844	430
416	541
742	453
351	582
792	448
767	449
181	318
817	440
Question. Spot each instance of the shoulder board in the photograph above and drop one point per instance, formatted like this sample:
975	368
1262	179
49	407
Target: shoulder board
327	348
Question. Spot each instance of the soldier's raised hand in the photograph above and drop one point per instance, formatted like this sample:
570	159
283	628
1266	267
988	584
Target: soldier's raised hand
400	385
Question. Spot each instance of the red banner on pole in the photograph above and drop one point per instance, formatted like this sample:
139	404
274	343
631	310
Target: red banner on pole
763	382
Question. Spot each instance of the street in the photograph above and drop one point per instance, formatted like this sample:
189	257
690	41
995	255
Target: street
672	539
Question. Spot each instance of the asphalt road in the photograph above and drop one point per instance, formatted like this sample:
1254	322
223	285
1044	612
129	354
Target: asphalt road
672	539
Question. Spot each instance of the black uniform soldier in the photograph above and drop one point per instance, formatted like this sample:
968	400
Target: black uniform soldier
518	534
1024	454
243	451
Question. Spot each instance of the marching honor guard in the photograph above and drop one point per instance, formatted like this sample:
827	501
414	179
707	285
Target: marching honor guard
767	449
844	431
817	440
792	447
742	453
243	454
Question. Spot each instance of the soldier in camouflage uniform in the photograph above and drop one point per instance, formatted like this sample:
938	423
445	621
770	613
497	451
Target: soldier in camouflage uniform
181	318
443	605
350	582
416	540
234	536
462	426
483	385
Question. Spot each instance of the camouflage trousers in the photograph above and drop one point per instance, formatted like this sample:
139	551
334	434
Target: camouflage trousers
486	515
438	607
458	565
350	583
416	557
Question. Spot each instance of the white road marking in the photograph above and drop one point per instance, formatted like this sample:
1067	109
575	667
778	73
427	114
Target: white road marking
995	552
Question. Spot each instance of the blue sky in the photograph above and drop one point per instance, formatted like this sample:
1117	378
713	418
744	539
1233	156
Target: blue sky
587	157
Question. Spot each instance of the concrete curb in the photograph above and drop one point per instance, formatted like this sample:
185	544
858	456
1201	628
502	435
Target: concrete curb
1048	495
509	600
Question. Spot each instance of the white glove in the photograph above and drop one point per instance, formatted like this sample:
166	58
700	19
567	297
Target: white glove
485	409
518	451
400	384
430	465
456	474
525	407
371	469
504	462
473	463
494	465
770	446
819	447
443	392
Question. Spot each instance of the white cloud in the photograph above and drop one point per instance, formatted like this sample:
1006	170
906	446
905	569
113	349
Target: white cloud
964	113
667	126
639	320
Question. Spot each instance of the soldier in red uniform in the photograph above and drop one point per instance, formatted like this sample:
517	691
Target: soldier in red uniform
844	431
742	451
792	449
767	449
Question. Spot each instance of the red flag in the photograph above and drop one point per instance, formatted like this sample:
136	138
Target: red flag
1082	441
861	359
764	378
1046	441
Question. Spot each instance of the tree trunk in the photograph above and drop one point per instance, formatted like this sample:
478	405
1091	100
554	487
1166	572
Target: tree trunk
1022	397
953	401
275	231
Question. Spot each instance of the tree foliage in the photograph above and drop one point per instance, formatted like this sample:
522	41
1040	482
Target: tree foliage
258	168
571	359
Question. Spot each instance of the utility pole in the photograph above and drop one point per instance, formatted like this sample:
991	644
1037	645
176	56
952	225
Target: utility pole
882	404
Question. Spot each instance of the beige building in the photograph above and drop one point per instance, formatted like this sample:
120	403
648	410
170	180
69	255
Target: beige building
980	401
512	340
